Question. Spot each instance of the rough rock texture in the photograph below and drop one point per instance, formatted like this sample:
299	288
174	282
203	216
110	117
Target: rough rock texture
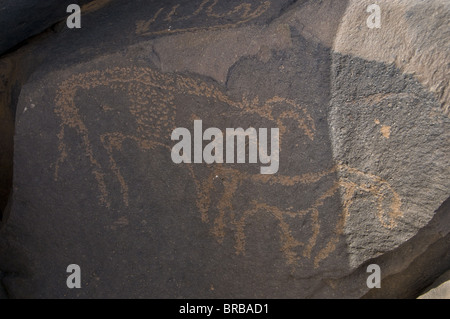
364	160
22	19
413	265
413	36
440	288
6	141
392	118
3	294
377	121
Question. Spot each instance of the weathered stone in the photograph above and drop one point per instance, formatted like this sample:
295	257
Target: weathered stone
392	118
407	269
6	145
3	294
440	288
22	19
413	36
364	166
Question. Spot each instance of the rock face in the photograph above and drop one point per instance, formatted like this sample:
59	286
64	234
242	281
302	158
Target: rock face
363	161
440	289
22	19
6	144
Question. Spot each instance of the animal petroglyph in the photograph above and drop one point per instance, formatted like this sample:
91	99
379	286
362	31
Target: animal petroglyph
152	105
386	201
153	101
207	10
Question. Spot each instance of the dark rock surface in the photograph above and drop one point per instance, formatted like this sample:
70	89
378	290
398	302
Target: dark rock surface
364	165
6	155
22	19
3	293
19	22
440	289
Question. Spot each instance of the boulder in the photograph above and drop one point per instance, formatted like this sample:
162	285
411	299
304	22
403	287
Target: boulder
440	288
22	19
3	294
363	172
19	22
6	141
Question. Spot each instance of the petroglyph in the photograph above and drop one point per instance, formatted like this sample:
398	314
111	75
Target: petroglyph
386	200
207	10
154	98
152	104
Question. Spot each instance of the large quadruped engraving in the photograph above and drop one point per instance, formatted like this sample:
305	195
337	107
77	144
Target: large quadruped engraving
155	99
